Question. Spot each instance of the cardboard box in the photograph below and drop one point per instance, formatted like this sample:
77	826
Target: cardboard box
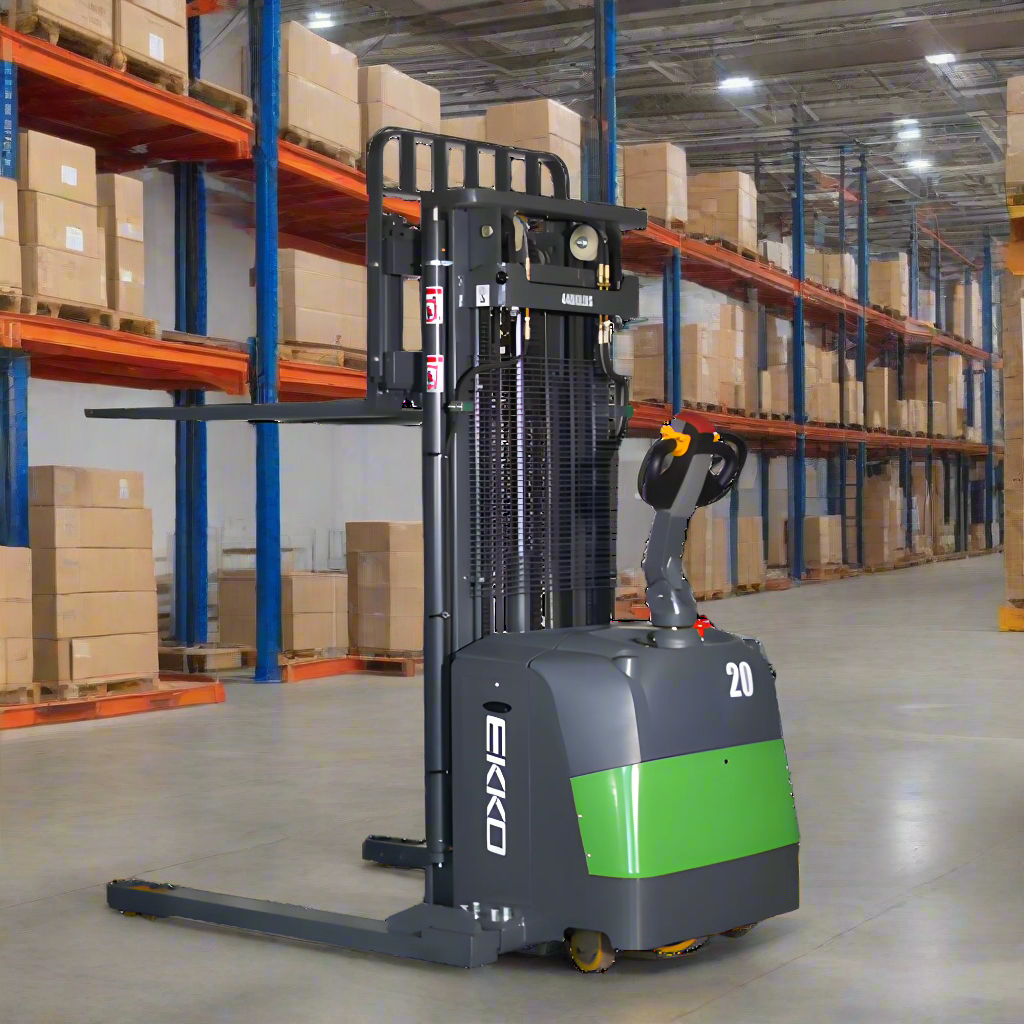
58	527
10	264
386	633
123	199
81	658
474	129
308	55
508	124
386	568
76	486
654	178
312	110
384	536
58	223
389	87
60	616
94	16
880	386
9	226
92	570
16	663
341	636
16	574
822	539
391	601
56	167
148	37
317	283
59	274
15	619
169	10
125	273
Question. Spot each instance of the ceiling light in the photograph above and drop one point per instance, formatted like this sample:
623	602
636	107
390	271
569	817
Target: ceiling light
941	58
735	84
906	122
920	164
909	133
322	23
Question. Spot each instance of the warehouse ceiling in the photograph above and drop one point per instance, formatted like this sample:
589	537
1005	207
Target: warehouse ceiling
830	73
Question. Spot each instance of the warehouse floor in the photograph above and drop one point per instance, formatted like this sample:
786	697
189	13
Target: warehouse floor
905	728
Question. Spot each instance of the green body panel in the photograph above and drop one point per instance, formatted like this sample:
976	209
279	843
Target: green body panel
677	813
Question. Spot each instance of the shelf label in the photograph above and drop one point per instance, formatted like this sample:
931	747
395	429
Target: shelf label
435	375
74	239
433	309
156	46
68	175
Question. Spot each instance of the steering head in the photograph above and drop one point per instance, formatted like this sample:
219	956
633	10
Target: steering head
667	463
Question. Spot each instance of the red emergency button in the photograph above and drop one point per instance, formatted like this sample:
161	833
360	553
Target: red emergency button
701	624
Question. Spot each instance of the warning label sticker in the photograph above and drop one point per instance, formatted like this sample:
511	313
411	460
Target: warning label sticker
433	309
435	374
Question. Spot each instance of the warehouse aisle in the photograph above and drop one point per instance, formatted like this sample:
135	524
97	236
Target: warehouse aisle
905	729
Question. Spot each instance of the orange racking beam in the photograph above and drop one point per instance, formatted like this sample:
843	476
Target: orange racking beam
115	112
313	381
65	350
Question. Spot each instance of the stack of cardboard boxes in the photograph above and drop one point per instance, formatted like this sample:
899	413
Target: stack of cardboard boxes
10	237
750	566
152	32
385	566
541	125
60	252
963	312
94	19
777	379
15	619
1012	302
889	283
319	90
1015	135
823	540
779	252
885	524
723	204
123	242
705	553
321	302
94	607
654	179
648	344
390	99
821	374
834	270
314	610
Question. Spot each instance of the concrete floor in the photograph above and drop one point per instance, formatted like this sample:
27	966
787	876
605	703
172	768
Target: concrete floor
905	729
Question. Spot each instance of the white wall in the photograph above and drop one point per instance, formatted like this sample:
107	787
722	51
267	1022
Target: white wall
328	474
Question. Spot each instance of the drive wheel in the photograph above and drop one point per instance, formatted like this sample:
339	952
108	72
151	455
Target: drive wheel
590	952
738	933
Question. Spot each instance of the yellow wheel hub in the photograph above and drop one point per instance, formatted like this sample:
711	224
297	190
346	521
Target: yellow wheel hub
685	948
590	952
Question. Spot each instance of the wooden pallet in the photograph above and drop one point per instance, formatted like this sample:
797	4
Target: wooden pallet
182	338
163	697
712	595
31	694
202	659
152	71
670	225
326	355
132	323
881	567
950	556
750	588
10	300
388	663
61	309
776	583
67	36
223	99
329	149
102	686
821	572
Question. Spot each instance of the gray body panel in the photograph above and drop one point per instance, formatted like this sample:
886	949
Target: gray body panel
586	700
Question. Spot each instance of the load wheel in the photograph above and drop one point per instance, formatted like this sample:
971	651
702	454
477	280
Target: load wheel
589	951
676	949
737	933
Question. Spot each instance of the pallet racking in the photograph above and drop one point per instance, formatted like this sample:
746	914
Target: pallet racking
309	201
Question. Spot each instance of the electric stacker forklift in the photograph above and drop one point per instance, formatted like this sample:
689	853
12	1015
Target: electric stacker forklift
594	784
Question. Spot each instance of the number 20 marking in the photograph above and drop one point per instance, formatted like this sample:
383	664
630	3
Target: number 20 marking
742	679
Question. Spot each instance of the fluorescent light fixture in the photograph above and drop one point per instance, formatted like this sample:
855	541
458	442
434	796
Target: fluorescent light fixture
909	133
919	164
735	84
907	122
320	19
941	58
